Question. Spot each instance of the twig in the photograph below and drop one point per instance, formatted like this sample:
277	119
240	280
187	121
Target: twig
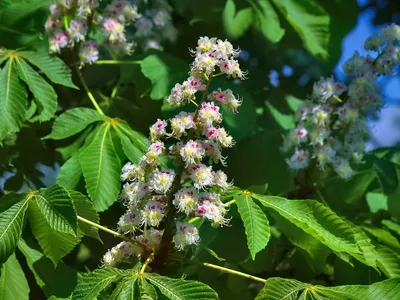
118	62
114	233
88	92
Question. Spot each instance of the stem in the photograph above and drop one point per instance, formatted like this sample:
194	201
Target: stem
114	233
88	92
147	261
230	271
118	62
321	197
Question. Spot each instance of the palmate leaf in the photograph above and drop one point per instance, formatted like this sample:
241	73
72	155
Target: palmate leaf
56	207
315	219
91	284
13	284
290	289
13	99
255	223
59	281
11	223
73	121
43	92
236	23
101	168
53	67
180	289
54	244
311	22
84	208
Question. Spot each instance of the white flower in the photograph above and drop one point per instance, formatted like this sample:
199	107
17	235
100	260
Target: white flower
212	151
129	222
57	41
221	180
151	238
299	160
186	200
77	30
153	213
182	122
209	114
88	52
192	152
161	181
134	192
154	152
114	29
201	175
343	168
186	234
157	130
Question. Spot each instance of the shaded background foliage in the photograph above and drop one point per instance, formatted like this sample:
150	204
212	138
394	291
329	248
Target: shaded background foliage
308	47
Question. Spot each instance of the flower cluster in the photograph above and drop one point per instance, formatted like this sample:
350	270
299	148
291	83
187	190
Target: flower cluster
193	141
331	124
72	22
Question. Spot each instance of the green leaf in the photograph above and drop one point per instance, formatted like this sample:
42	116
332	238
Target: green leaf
13	284
13	99
311	22
59	281
134	144
383	236
127	289
236	23
84	208
54	244
180	289
147	291
101	168
290	289
377	202
11	224
312	249
351	191
280	288
285	121
267	20
57	209
91	284
43	92
315	219
368	253
70	173
387	175
255	223
73	121
388	261
53	67
164	70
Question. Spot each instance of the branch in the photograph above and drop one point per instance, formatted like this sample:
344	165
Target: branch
114	233
118	62
230	271
88	92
